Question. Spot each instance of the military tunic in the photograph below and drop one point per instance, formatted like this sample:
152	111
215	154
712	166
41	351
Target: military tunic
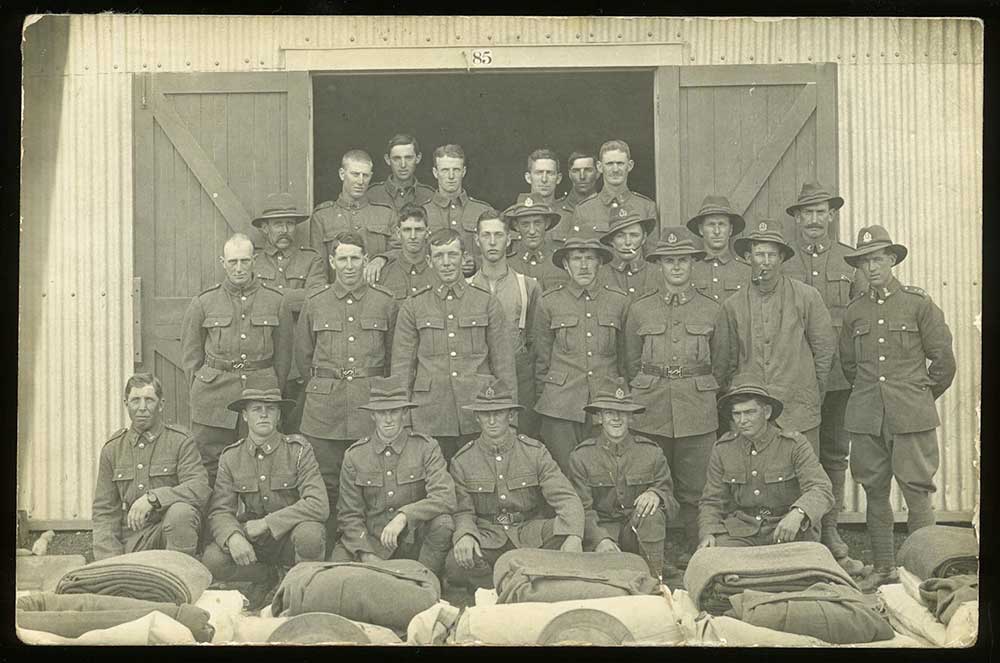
460	213
374	222
636	277
389	193
597	209
538	265
383	478
163	461
449	342
294	271
556	205
403	278
566	206
720	277
752	484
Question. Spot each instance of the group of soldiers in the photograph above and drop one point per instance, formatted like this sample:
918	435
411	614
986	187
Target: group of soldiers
435	379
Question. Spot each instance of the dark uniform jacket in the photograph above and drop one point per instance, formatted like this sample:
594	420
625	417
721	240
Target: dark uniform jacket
597	209
278	481
538	265
450	341
566	206
776	473
506	492
295	272
609	477
896	350
557	205
721	277
342	340
394	196
380	479
163	461
460	213
669	362
636	278
403	278
375	223
234	337
821	265
578	342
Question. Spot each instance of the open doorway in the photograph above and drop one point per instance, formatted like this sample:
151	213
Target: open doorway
497	117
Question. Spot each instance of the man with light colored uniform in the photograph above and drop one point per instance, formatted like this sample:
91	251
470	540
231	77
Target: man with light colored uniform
614	165
401	188
720	274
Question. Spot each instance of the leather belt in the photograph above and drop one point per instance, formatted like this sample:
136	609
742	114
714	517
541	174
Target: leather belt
675	372
346	373
766	512
238	364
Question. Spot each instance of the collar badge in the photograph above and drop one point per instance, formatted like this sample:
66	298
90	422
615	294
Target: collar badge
622	213
528	202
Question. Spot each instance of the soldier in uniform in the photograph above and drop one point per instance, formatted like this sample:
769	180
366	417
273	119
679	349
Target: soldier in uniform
343	339
151	485
269	503
236	334
628	269
615	164
668	335
578	340
354	211
291	269
543	175
518	296
720	274
507	487
896	350
396	496
623	482
401	188
451	338
451	207
819	261
410	271
531	255
764	484
777	331
582	168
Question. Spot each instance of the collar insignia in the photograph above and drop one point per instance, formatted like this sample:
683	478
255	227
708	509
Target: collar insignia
576	229
622	213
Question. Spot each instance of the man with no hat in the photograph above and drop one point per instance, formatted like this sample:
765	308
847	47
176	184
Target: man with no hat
401	188
581	166
623	481
668	339
614	164
396	496
896	351
510	493
720	273
410	271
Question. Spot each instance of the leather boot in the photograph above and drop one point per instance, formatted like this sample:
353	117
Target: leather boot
829	535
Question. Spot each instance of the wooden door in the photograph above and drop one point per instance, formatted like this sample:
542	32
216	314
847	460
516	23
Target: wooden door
754	133
208	148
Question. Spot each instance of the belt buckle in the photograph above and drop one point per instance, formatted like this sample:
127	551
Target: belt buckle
764	512
673	372
504	518
238	364
347	372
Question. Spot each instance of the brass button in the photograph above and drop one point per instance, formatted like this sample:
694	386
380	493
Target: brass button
243	336
756	492
454	374
451	316
139	466
881	321
453	353
451	334
881	378
753	473
753	453
141	486
499	458
500	476
350	301
388	453
815	273
350	339
263	477
350	318
391	493
142	445
503	497
388	473
265	498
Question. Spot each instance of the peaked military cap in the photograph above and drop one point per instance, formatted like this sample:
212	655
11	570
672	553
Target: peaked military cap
871	239
279	206
530	207
745	386
713	204
814	192
677	241
623	218
765	230
614	395
387	394
260	396
496	395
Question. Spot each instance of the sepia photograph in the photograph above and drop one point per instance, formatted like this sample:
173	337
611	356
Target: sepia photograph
500	331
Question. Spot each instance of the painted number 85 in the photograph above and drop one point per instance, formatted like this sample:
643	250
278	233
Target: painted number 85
482	57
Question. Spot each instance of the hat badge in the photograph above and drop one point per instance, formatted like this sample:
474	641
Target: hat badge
622	213
867	237
528	202
671	238
620	393
490	393
762	227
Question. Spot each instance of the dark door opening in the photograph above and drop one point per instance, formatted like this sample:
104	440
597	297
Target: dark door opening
497	117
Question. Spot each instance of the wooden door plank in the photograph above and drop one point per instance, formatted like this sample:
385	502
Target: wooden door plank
742	75
754	133
778	143
728	136
666	144
299	140
239	123
701	143
218	83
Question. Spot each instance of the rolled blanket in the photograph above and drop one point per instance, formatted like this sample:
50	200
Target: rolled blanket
156	575
719	572
71	616
943	596
940	551
527	575
833	613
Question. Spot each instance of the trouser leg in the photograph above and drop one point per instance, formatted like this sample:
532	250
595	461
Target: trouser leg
646	540
481	575
308	542
687	458
915	459
330	457
871	466
433	539
223	568
561	436
527	419
294	390
211	440
181	525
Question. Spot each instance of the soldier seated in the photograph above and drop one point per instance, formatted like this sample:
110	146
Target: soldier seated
764	484
623	481
396	496
269	505
507	486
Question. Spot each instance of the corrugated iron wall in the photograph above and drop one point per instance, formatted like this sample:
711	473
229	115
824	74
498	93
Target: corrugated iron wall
910	126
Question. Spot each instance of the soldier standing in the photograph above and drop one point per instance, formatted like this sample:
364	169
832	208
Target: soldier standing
507	487
720	274
896	350
234	335
450	339
531	255
628	269
451	207
343	339
615	164
668	334
582	168
396	496
410	271
401	188
543	176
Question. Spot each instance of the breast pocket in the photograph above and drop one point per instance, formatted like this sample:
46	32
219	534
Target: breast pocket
861	335
483	493
375	330
264	325
370	484
326	336
162	474
124	480
217	327
565	329
608	327
524	491
283	489
431	332
473	330
782	485
905	334
838	290
697	342
248	492
412	483
733	285
636	484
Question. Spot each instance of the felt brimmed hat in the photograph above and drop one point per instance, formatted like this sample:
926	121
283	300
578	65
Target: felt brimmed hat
716	205
279	206
614	395
387	394
814	192
528	206
749	387
623	218
581	236
260	396
585	626
871	239
314	628
765	230
677	241
496	395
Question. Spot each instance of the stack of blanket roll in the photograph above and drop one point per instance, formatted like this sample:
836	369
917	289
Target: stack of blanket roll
940	551
155	575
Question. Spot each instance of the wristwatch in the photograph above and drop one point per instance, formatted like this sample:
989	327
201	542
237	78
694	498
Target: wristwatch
153	499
